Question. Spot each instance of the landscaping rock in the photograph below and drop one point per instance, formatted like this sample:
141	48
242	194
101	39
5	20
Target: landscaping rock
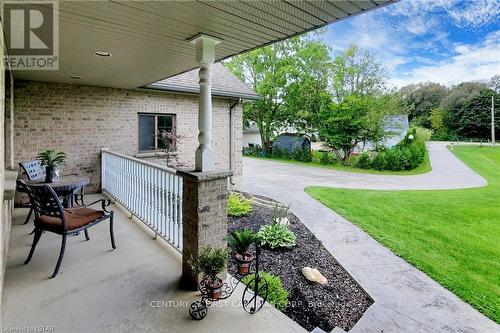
313	275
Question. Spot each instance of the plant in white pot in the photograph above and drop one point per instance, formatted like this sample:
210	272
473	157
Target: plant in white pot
240	241
52	161
211	262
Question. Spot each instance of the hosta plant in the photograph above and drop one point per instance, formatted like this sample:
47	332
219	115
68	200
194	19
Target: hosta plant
276	236
238	206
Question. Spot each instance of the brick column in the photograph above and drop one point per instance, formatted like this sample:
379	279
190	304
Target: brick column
204	209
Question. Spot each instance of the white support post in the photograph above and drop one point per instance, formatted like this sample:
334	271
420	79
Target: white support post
205	55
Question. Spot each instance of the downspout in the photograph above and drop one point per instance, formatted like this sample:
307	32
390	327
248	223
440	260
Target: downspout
231	140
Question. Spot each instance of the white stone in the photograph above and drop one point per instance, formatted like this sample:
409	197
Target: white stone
312	274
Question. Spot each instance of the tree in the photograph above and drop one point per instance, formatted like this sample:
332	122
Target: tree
454	101
285	75
344	125
419	99
307	92
355	72
461	93
436	118
474	118
494	83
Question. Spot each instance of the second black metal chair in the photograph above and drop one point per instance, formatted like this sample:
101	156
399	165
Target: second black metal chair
33	170
51	216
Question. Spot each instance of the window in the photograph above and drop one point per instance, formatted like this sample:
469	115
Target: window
155	131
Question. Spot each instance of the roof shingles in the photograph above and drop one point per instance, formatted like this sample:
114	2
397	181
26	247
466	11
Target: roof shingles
224	83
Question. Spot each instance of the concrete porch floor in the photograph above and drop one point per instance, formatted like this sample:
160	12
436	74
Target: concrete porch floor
100	290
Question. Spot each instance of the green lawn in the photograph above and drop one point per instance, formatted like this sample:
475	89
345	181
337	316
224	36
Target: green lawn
422	168
452	235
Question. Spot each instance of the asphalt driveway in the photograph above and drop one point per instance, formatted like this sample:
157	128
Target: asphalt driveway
406	300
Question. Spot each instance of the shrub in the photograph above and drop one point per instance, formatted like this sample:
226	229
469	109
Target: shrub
406	155
422	134
210	262
238	206
280	153
302	154
379	161
241	240
364	161
276	236
277	294
298	154
327	158
253	151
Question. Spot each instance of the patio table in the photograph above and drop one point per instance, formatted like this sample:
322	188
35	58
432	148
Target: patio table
65	187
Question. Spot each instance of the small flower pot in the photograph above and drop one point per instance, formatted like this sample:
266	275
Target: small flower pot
51	174
214	289
244	262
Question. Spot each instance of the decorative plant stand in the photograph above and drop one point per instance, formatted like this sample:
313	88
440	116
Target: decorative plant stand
253	299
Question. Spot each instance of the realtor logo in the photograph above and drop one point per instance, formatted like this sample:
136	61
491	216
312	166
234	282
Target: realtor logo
32	35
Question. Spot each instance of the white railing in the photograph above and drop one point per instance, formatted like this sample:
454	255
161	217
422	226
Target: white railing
149	191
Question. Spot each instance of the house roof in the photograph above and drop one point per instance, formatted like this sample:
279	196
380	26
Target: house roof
224	83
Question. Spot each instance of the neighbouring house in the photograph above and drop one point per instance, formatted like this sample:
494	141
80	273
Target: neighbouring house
251	136
395	129
80	120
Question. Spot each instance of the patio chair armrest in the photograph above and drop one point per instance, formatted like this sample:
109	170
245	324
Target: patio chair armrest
104	202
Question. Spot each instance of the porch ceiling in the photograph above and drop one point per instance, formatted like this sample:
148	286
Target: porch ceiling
147	39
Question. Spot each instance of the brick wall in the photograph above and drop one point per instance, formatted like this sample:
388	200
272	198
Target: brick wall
80	120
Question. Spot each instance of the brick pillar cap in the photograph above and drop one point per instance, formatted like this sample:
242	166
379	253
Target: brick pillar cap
200	176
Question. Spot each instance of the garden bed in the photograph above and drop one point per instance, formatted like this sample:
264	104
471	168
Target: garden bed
341	302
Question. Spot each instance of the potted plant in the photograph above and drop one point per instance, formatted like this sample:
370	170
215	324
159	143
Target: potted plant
211	262
241	240
52	160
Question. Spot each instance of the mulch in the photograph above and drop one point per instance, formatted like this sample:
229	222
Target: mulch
341	302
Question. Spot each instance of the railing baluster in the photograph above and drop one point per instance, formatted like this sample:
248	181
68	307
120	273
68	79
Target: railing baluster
151	192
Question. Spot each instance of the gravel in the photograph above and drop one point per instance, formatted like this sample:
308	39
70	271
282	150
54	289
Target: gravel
341	302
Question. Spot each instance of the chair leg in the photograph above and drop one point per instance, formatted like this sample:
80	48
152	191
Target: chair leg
36	238
61	255
111	233
29	215
86	234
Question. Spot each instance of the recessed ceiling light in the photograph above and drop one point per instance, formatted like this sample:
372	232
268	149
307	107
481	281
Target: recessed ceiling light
76	77
101	53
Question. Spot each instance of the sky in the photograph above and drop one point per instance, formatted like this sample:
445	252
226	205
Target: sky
445	41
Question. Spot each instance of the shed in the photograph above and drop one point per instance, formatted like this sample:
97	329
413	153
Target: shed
291	142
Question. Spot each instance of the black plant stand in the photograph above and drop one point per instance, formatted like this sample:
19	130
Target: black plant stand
253	299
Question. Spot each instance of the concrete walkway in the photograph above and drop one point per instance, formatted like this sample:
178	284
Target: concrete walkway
406	300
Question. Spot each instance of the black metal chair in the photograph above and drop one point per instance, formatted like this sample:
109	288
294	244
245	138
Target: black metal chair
51	216
34	170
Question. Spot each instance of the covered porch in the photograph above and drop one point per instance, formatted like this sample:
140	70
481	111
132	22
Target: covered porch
129	45
134	288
